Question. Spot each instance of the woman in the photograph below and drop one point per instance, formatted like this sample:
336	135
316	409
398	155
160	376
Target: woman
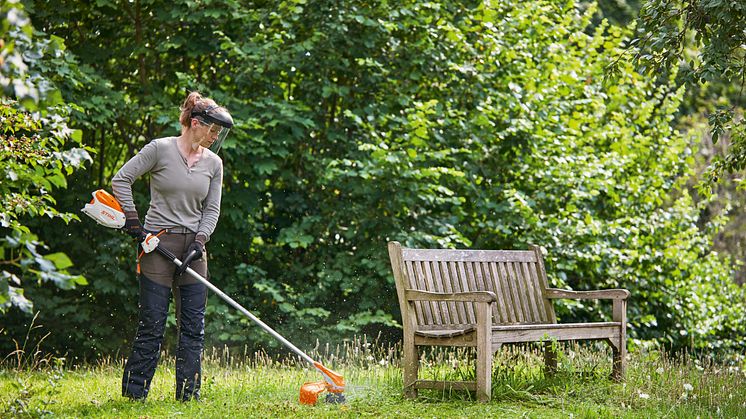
185	186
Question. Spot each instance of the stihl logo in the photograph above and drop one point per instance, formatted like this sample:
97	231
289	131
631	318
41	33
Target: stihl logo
111	216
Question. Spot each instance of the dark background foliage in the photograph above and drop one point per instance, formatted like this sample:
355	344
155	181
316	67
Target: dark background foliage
438	124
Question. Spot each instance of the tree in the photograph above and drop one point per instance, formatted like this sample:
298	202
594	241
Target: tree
38	152
717	31
438	124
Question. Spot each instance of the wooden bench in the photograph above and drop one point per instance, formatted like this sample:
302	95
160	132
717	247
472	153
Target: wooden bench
484	299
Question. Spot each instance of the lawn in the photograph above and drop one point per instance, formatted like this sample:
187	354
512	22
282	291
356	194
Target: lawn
257	386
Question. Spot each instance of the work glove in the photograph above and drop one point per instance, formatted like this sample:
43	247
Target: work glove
132	225
193	252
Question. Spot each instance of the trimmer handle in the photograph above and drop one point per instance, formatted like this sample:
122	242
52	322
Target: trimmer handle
165	252
179	263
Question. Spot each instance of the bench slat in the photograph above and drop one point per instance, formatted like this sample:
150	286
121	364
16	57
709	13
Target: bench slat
456	284
515	293
431	269
413	284
489	285
469	255
435	307
539	292
532	284
441	273
444	333
471	278
507	292
571	331
501	308
542	274
465	286
427	307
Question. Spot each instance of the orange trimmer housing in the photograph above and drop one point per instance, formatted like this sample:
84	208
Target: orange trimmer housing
333	383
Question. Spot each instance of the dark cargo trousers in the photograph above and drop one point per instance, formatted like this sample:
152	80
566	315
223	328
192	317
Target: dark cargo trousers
158	280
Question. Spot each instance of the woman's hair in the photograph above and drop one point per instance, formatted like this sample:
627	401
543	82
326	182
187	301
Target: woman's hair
194	102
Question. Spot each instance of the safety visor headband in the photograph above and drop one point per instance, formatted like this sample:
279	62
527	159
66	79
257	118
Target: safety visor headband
214	115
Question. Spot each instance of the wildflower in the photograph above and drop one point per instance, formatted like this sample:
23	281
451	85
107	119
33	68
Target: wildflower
688	387
644	396
660	370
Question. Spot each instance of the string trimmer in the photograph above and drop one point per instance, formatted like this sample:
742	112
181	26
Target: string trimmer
105	210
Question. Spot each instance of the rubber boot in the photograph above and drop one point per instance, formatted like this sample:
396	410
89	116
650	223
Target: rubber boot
141	364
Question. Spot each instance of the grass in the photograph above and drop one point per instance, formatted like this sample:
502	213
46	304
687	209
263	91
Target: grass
241	385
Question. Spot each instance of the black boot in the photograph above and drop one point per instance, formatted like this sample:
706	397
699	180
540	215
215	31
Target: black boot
140	367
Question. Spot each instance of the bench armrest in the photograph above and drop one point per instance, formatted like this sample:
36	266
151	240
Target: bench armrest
474	296
612	294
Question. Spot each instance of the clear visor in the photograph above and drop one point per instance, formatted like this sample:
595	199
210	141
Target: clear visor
214	137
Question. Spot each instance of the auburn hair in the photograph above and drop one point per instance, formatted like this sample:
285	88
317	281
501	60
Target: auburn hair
193	103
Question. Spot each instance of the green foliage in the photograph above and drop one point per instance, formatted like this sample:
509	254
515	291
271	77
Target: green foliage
666	29
38	152
438	124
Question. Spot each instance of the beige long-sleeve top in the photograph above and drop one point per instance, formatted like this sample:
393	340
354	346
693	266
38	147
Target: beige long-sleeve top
180	196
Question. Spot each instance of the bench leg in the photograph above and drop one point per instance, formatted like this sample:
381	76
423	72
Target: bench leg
619	350
411	361
484	352
550	358
619	347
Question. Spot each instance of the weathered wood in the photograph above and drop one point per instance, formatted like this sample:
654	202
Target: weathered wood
484	299
619	350
445	279
542	275
550	358
410	365
515	293
469	255
474	296
413	284
453	279
431	310
442	316
581	331
500	309
444	333
484	352
466	286
612	294
505	297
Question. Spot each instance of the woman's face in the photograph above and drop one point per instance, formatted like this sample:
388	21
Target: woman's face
211	133
205	134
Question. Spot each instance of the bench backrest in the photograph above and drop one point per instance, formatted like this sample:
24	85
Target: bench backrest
517	278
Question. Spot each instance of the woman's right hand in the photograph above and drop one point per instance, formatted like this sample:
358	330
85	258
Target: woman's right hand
132	225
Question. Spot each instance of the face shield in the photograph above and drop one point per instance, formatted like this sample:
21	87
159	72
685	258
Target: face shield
219	123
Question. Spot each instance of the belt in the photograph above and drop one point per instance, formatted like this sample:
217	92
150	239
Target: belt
177	230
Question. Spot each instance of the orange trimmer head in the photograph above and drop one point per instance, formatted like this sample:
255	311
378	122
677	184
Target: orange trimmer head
333	383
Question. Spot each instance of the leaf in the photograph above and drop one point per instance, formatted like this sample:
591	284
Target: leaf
60	260
17	299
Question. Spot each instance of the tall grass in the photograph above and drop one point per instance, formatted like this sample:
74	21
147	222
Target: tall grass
244	384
